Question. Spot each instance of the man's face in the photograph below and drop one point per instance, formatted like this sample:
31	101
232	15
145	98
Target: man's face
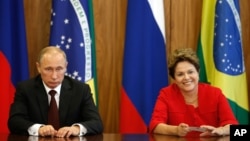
52	68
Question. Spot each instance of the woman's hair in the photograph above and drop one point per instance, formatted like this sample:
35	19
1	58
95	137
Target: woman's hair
182	55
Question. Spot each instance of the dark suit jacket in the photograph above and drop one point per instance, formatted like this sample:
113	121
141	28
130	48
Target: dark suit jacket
31	106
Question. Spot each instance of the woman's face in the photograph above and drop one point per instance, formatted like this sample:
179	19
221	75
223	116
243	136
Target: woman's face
186	76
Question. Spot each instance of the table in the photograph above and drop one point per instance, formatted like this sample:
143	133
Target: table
112	137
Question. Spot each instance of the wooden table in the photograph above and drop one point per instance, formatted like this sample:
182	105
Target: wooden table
112	137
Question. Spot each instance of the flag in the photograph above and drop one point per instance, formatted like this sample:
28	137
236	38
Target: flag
72	30
221	50
144	67
13	55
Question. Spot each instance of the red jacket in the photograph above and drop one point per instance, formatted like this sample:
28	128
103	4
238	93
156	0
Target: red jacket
213	108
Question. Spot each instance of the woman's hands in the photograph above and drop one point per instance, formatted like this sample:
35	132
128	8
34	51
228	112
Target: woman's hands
182	129
213	131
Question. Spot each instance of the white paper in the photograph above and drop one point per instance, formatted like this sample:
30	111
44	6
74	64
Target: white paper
199	129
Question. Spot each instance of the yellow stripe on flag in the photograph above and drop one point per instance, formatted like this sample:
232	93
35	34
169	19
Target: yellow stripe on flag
92	87
233	86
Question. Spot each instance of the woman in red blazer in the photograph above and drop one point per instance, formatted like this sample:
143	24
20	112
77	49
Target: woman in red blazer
187	105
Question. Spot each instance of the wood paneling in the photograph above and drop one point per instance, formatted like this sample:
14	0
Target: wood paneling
37	16
183	19
109	29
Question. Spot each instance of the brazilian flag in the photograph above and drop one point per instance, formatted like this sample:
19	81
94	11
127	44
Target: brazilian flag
221	53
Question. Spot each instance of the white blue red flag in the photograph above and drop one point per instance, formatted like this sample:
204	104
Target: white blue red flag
145	66
13	55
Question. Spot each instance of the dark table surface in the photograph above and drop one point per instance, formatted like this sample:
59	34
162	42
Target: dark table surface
111	137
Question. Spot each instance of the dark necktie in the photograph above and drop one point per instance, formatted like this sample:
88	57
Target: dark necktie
53	114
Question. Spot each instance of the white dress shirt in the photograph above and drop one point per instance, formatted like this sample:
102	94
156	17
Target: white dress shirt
33	130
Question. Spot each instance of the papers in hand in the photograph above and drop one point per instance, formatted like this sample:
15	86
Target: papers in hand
199	129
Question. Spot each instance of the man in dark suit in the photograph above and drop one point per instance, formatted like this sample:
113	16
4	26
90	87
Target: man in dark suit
78	114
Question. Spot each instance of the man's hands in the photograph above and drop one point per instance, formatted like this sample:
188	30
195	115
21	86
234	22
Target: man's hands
48	130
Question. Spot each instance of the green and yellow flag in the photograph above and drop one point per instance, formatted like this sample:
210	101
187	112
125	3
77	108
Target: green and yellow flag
221	54
72	29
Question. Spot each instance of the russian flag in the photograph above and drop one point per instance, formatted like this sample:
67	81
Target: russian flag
145	67
13	55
